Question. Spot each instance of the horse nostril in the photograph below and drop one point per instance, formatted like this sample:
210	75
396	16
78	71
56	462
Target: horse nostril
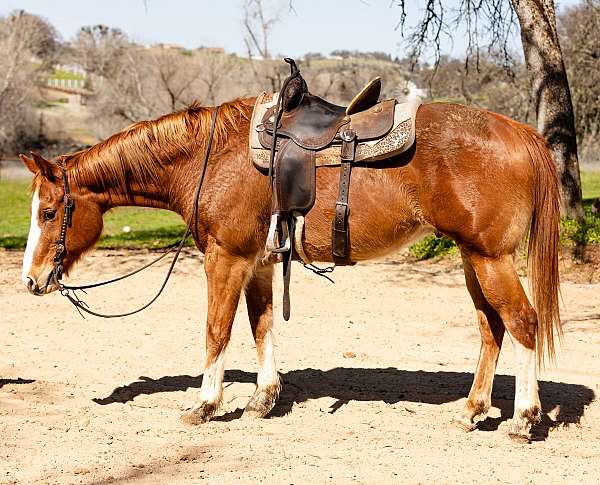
32	286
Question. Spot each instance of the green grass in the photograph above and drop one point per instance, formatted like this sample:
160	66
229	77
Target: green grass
580	233
60	74
590	185
150	228
153	228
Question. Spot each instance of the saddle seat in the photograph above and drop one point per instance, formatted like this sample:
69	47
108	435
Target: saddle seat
316	123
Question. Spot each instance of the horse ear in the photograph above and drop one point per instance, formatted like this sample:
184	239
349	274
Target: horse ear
29	163
42	165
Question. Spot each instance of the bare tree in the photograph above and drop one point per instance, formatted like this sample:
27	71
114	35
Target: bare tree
490	22
490	86
99	49
258	22
28	46
214	67
579	26
259	18
176	74
131	82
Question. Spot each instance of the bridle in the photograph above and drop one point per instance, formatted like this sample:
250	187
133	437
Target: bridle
69	291
61	244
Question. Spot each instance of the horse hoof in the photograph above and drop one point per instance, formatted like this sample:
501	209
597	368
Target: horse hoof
201	413
519	438
520	426
261	404
464	423
252	414
519	431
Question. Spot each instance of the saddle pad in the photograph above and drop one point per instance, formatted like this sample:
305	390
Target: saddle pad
398	139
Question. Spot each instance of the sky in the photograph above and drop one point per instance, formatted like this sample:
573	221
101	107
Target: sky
314	26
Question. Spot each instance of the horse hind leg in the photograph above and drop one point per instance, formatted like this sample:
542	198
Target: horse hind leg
259	300
503	290
491	329
226	276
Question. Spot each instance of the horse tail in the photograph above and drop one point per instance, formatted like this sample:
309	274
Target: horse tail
542	259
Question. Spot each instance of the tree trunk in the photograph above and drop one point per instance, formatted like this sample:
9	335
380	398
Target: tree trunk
555	118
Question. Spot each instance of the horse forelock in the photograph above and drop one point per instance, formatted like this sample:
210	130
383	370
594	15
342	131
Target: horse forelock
139	152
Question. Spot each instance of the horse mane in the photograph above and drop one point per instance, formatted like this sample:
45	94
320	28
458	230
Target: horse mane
138	153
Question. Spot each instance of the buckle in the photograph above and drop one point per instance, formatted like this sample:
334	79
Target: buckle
347	135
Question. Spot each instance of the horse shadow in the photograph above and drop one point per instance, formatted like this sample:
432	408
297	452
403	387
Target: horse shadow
18	380
389	385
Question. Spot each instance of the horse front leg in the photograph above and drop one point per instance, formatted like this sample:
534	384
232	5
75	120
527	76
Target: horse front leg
259	300
226	275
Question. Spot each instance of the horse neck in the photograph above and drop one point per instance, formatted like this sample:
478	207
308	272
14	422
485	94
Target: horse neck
140	195
154	193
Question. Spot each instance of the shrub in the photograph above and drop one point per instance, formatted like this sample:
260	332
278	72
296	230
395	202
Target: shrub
432	246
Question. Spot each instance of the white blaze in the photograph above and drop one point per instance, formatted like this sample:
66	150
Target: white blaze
33	238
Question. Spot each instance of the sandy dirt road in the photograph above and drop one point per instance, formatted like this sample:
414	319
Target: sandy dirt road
374	367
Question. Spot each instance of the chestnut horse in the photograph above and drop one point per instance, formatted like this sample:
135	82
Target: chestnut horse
480	178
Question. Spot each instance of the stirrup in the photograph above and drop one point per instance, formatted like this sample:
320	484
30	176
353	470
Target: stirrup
278	240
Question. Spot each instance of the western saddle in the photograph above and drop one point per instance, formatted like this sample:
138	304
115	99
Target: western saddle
294	132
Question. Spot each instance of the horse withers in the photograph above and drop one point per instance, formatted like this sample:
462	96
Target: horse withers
478	177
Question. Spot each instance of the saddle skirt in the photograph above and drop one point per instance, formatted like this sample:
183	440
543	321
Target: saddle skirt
385	130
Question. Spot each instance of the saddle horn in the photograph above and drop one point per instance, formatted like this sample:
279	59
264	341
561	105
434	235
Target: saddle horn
293	67
293	88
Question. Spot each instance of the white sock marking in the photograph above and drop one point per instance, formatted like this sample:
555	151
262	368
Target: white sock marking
267	374
34	236
212	380
526	385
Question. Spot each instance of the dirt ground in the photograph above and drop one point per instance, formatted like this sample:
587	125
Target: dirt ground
374	367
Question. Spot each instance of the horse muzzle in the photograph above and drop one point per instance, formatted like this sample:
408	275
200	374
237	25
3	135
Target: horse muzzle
47	285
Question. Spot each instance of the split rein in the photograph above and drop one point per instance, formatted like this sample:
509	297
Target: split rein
70	292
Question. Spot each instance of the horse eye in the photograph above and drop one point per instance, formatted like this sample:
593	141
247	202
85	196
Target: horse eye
48	215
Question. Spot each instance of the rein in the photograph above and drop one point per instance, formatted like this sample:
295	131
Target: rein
69	291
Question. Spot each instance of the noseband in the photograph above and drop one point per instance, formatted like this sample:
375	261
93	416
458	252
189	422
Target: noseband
61	245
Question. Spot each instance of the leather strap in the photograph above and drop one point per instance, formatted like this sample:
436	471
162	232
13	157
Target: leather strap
340	237
287	270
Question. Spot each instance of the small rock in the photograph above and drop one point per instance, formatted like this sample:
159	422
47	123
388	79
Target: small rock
81	471
349	355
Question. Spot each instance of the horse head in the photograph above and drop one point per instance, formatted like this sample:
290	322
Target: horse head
47	218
